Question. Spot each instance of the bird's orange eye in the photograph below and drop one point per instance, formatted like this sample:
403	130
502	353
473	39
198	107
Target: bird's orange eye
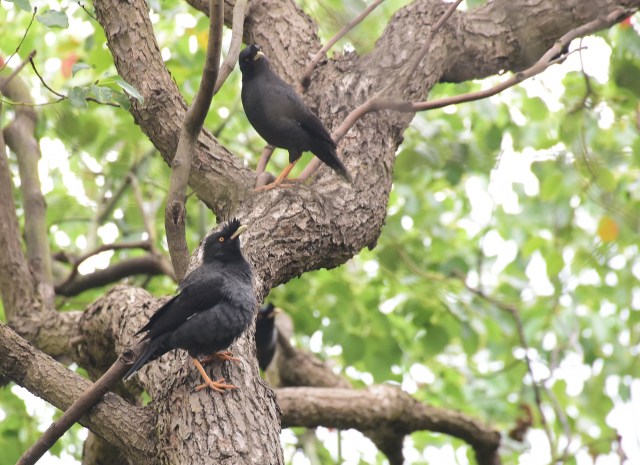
221	239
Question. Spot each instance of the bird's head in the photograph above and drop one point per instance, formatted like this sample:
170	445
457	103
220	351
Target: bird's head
252	59
224	245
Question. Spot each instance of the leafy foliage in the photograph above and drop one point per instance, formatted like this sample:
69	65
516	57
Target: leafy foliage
523	204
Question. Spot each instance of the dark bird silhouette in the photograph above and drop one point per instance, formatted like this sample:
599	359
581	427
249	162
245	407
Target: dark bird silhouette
280	116
213	307
266	335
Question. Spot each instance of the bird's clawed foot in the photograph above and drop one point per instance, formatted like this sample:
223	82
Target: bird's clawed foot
281	179
226	356
284	183
218	385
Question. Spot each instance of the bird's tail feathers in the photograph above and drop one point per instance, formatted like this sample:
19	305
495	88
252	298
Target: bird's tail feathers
148	354
342	172
327	153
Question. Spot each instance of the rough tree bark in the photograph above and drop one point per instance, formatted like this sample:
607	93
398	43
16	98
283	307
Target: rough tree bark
291	231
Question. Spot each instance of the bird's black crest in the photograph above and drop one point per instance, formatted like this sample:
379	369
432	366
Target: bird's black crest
249	53
230	227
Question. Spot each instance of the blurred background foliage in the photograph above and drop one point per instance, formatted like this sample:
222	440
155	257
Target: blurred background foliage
519	212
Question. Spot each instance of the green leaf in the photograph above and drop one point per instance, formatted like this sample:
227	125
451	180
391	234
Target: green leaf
129	89
551	186
54	19
494	138
78	97
554	261
535	108
122	100
77	67
625	73
470	340
435	340
102	94
605	179
22	4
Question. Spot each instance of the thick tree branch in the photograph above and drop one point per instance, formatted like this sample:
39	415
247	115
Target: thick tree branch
129	428
552	56
525	32
380	102
176	211
17	286
383	405
19	135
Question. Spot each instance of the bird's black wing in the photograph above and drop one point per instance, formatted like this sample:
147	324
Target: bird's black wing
293	107
200	291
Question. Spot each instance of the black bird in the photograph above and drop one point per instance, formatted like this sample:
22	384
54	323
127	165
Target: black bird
214	306
280	116
266	335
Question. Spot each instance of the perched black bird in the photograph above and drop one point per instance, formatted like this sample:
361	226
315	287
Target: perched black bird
280	116
266	335
214	306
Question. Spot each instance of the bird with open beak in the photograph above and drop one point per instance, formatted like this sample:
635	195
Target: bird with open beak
214	306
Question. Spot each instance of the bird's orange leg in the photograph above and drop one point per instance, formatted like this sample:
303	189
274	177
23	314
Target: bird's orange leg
226	356
219	385
281	177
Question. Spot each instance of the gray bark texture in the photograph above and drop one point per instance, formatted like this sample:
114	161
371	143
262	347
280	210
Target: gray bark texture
292	231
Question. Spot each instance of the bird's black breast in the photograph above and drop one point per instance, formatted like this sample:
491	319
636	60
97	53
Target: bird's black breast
223	322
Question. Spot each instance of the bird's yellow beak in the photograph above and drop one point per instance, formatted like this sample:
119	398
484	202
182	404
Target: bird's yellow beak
240	230
258	55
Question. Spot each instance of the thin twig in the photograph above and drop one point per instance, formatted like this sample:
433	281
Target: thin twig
144	245
239	13
515	314
146	220
306	78
265	156
149	264
92	16
35	69
33	16
175	211
562	418
62	96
